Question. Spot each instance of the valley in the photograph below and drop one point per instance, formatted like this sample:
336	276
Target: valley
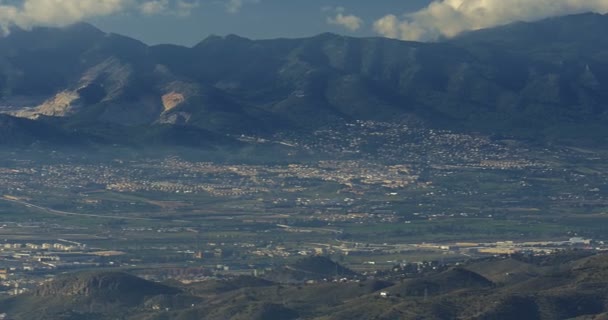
327	177
367	194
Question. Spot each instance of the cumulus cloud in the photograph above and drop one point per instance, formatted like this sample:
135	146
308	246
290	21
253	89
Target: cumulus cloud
185	7
28	13
447	18
56	12
166	7
348	21
154	7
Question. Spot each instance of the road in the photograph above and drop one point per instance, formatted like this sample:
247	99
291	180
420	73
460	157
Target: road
89	215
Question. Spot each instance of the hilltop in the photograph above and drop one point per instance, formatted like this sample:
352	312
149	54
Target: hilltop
560	286
310	268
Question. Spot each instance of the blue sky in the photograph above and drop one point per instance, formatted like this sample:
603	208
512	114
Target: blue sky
187	22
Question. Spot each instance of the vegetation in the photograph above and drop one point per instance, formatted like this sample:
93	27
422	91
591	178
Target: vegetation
566	285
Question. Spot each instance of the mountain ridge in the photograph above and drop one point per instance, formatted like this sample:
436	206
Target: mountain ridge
491	81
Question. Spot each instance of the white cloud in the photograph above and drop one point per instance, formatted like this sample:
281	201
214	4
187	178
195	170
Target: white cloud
178	8
447	18
154	7
185	7
56	12
234	6
350	22
388	26
29	13
340	18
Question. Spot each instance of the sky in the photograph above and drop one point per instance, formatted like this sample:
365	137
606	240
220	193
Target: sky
187	22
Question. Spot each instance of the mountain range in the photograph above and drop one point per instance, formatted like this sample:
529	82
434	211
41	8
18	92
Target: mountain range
540	80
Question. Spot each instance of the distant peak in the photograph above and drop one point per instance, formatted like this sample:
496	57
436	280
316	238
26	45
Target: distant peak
234	37
215	39
83	27
328	35
572	27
